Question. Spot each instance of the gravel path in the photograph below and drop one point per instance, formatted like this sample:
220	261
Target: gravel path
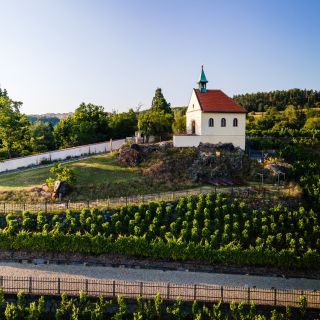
178	277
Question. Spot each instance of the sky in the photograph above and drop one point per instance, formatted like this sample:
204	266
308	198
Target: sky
55	54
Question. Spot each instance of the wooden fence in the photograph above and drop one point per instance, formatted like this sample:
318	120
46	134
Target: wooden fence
16	207
168	291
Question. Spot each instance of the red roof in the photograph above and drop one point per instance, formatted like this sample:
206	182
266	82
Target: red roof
217	101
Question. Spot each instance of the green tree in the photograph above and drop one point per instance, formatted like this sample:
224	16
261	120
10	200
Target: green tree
90	124
62	173
159	103
64	133
123	124
156	123
14	128
179	123
41	136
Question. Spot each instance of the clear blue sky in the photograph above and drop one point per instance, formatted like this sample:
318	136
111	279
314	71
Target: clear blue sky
54	54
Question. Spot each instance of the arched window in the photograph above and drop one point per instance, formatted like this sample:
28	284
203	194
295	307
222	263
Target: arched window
223	122
235	122
211	122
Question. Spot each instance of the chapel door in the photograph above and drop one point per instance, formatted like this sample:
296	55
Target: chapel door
193	127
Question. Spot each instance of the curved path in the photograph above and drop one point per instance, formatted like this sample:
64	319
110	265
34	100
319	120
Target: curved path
147	275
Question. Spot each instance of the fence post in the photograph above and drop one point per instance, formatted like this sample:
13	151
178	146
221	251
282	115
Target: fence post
168	291
141	288
195	292
4	208
88	204
58	286
86	286
221	293
126	200
114	288
1	281
30	285
275	296
248	295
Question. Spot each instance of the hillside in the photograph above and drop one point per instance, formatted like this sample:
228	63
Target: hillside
97	177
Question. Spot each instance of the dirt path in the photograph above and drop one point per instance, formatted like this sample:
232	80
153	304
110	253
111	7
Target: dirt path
152	275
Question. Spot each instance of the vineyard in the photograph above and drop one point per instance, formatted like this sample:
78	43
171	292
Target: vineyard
83	308
211	228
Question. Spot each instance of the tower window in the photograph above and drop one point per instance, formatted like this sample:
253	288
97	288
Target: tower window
235	122
211	123
223	122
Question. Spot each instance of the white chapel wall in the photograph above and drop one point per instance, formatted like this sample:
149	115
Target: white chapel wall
193	113
229	129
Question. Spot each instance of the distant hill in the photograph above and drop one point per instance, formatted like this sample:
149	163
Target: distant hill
52	118
262	101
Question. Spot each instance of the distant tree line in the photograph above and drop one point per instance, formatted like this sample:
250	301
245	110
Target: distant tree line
52	120
262	101
21	135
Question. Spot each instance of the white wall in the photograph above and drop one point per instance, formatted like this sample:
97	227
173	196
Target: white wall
229	129
36	159
194	141
193	113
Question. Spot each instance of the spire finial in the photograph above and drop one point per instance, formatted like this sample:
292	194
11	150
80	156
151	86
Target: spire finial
202	81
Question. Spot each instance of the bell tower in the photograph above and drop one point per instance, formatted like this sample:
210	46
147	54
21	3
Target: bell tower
202	81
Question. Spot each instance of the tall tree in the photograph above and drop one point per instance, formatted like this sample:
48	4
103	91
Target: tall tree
64	133
90	124
41	136
159	103
123	124
155	123
14	128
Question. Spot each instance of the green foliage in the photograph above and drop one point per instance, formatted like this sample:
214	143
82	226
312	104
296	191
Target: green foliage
63	173
41	137
179	123
312	123
262	101
14	128
123	124
208	228
82	308
156	123
159	103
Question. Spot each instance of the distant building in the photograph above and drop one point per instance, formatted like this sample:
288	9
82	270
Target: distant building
212	117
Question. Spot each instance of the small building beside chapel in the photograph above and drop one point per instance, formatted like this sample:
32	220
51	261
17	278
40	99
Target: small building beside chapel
212	117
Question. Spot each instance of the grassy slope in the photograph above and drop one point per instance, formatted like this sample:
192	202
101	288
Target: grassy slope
97	177
91	173
95	170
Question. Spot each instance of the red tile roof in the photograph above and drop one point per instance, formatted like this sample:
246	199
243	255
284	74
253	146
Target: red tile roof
217	101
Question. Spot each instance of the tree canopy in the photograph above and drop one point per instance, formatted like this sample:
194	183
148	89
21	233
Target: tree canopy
14	128
159	103
262	101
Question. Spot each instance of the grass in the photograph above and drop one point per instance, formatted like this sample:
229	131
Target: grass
97	170
97	177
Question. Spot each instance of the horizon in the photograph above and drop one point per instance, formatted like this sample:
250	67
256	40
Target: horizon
116	54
